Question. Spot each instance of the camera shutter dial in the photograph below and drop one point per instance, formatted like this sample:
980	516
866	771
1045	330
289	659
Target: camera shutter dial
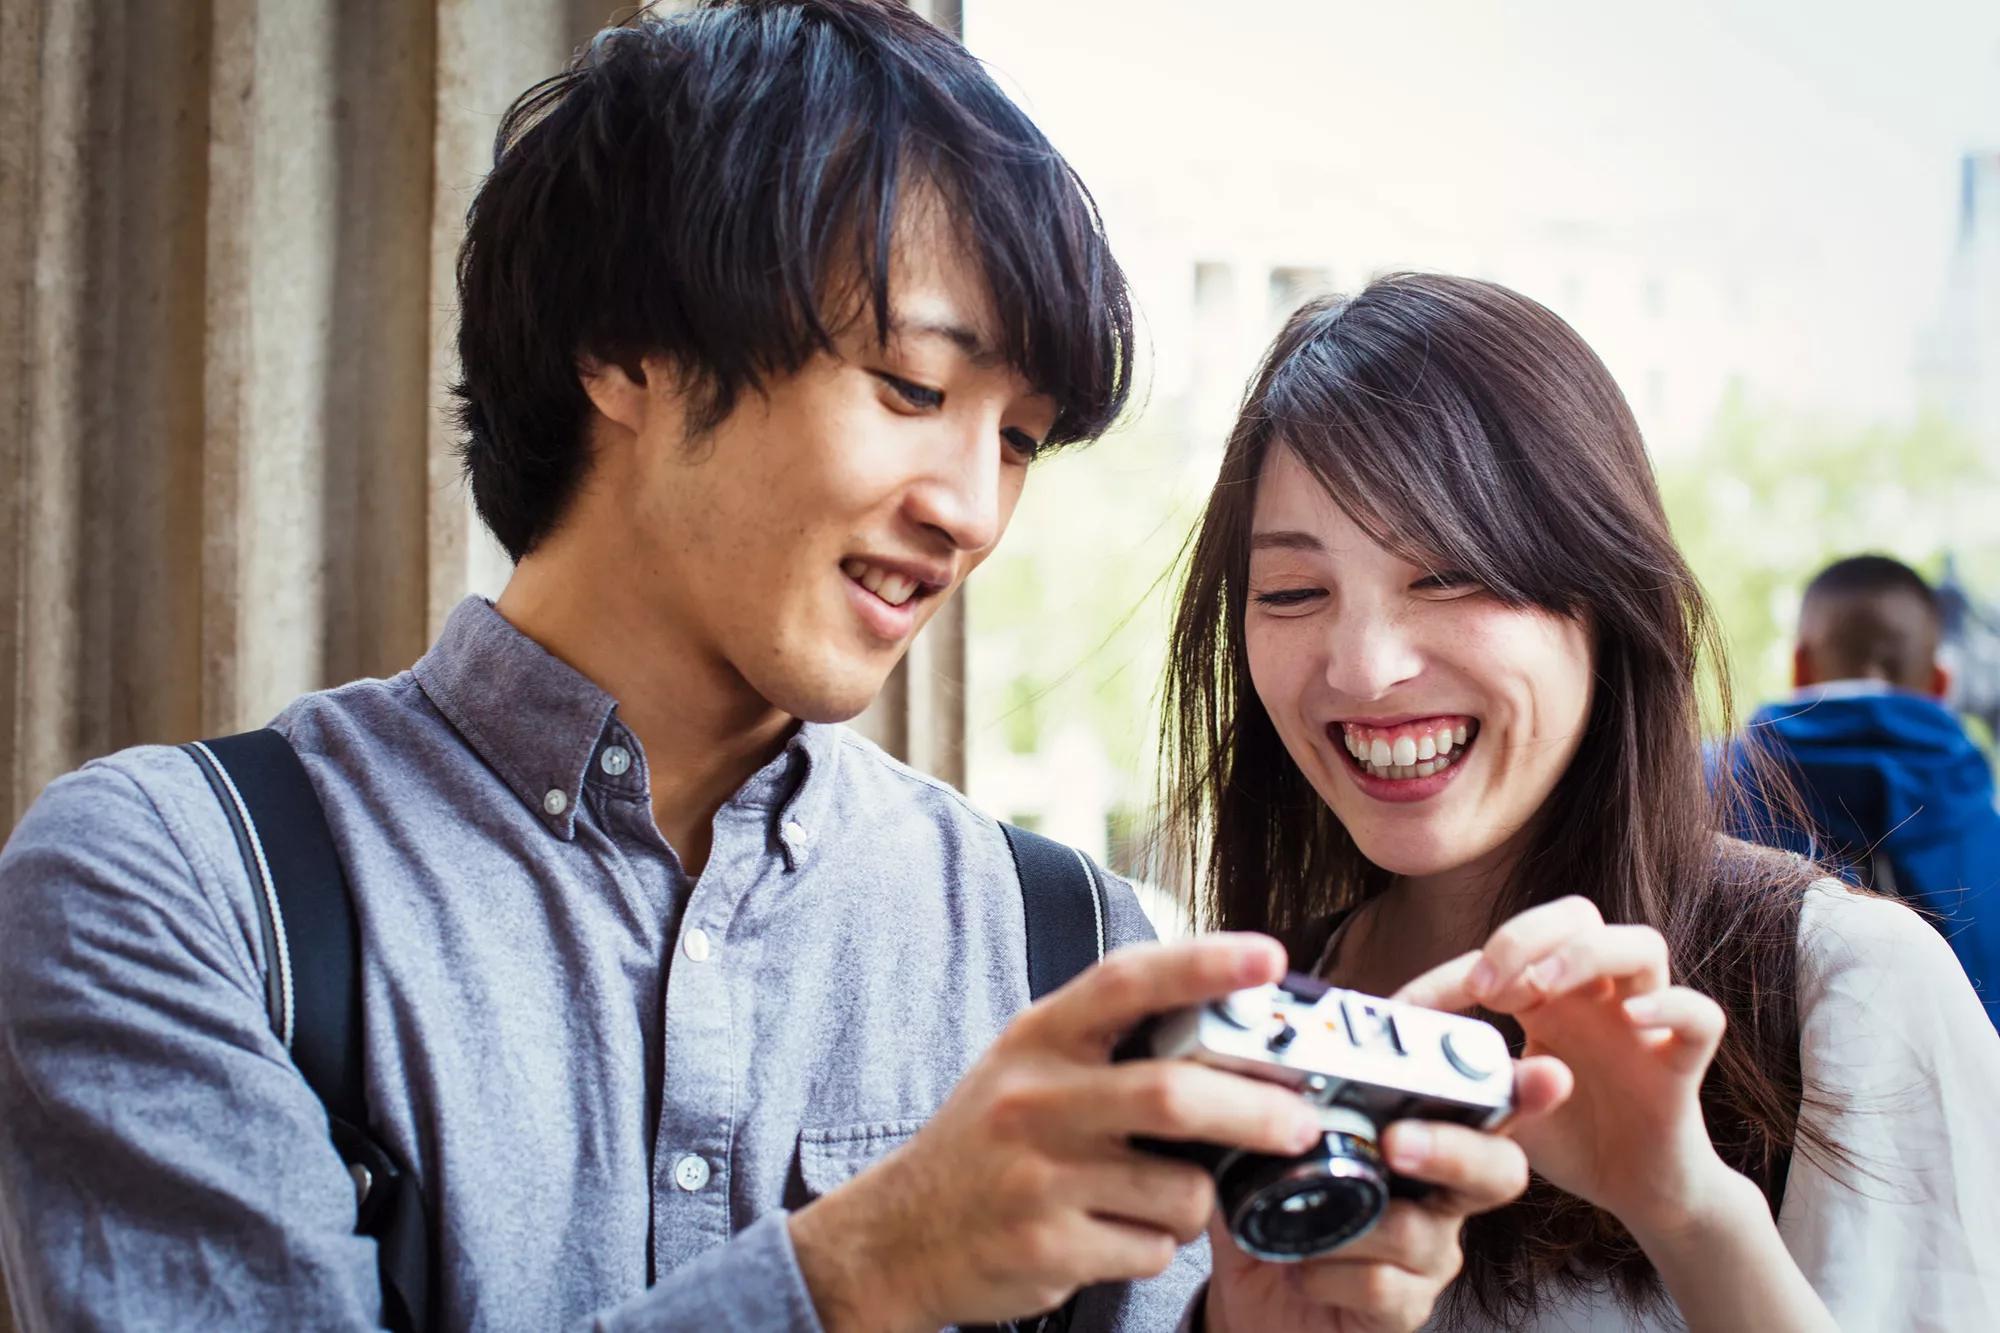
1472	1057
1247	1009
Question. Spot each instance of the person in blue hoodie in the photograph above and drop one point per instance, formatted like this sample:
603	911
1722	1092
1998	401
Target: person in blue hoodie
1901	798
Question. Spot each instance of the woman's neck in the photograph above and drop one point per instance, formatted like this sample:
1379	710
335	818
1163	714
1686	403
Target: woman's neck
1420	921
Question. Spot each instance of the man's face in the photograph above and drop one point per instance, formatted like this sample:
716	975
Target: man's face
806	539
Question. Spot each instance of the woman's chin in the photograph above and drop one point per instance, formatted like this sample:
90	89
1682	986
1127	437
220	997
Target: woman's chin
1411	860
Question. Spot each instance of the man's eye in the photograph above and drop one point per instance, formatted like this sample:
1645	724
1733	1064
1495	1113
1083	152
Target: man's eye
916	395
1022	443
1287	596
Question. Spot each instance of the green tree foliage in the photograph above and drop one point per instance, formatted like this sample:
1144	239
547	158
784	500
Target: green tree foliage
1770	498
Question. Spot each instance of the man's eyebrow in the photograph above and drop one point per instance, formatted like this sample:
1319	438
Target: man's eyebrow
965	340
1285	539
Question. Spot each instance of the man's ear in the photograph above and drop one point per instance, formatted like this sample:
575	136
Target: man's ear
1802	670
1940	681
618	390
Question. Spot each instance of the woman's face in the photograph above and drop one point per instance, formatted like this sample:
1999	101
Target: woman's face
1432	719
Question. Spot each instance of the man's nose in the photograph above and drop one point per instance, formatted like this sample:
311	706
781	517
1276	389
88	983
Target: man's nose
959	495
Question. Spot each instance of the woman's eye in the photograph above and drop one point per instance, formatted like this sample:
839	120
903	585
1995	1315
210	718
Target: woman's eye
1022	443
1281	597
916	395
1448	581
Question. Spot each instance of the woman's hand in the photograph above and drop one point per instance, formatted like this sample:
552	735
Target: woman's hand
1631	1139
1388	1281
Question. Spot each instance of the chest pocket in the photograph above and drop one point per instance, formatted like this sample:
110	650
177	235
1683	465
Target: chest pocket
830	1156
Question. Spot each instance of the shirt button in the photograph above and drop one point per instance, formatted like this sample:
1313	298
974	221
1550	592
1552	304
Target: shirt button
556	801
696	944
691	1173
797	832
615	760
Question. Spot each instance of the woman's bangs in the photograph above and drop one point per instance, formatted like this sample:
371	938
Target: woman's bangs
1421	478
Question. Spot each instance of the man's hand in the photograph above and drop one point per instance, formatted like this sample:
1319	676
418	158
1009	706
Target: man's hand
1024	1187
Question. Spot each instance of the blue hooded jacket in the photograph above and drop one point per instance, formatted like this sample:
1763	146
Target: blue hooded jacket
1893	778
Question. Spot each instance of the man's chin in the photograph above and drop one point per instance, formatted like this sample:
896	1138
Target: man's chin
831	700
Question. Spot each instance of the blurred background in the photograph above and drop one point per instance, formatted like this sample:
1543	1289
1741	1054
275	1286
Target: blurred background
1777	221
226	319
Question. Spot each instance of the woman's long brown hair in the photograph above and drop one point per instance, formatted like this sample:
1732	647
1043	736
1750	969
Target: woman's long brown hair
1470	429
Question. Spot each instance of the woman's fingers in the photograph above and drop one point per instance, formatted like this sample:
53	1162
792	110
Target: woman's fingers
1684	1025
1541	1084
1444	986
1634	958
1551	950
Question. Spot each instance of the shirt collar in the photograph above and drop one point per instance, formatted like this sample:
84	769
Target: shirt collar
532	717
541	724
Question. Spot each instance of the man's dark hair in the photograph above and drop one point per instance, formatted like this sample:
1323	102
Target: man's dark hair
1869	616
722	187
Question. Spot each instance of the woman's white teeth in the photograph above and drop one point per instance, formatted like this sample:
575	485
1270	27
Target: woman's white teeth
1411	756
893	588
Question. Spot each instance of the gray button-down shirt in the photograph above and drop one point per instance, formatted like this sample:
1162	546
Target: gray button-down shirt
612	1081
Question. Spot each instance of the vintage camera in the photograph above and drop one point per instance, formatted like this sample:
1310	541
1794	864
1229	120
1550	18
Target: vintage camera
1365	1062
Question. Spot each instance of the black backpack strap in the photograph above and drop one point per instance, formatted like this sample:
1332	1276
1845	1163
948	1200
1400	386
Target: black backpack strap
314	993
1064	904
1063	901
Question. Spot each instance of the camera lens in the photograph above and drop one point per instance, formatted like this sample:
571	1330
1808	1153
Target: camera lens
1291	1208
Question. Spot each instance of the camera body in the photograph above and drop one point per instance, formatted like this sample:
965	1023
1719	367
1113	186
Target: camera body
1365	1062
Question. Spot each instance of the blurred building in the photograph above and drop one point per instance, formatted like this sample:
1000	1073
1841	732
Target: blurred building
1679	315
1958	364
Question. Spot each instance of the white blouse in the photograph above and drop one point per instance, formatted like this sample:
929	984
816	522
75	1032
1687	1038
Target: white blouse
1892	1030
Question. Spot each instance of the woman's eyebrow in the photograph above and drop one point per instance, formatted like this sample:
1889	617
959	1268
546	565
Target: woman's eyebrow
1285	539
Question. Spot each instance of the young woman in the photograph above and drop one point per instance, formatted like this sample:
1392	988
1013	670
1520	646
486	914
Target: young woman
1434	719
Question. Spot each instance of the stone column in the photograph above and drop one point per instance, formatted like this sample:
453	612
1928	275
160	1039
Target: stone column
226	234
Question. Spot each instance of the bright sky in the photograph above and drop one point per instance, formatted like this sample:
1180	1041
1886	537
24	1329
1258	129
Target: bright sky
1819	137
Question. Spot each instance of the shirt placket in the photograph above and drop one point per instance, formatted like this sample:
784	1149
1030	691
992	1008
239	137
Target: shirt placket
702	1067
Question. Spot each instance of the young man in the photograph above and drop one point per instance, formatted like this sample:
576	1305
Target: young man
688	1008
1903	797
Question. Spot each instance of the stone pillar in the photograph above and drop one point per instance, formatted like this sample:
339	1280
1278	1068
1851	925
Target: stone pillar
226	238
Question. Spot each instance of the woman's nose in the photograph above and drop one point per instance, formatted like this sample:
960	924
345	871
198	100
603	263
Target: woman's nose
1369	656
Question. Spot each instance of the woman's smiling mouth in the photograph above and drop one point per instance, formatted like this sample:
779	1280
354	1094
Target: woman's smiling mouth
1407	759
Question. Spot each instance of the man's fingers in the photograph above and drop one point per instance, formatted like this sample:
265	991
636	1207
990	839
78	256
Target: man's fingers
1192	1103
1687	1025
1412	1236
1175	1197
1369	1287
1479	1171
1112	1250
1105	1002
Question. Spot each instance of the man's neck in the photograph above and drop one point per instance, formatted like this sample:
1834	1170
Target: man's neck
704	730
